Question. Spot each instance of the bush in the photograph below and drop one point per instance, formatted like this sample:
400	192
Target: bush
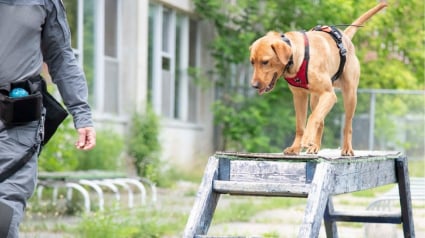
143	144
106	155
60	153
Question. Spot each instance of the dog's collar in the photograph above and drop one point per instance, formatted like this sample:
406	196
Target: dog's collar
291	60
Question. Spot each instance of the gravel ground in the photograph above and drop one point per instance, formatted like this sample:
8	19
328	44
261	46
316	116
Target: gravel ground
272	223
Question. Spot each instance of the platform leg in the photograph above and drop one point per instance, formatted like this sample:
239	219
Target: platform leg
206	201
405	197
330	226
317	199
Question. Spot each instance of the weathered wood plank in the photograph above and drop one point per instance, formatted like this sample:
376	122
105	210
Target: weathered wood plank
366	217
261	188
327	154
405	197
364	174
335	155
265	156
205	203
268	171
321	187
330	226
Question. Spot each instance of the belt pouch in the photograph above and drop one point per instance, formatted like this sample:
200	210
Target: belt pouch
21	109
55	113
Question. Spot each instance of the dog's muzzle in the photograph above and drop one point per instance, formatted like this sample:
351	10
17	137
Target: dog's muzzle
268	88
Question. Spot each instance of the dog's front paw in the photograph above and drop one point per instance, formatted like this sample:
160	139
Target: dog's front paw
347	152
292	151
312	148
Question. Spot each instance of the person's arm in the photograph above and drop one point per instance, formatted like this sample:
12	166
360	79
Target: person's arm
66	73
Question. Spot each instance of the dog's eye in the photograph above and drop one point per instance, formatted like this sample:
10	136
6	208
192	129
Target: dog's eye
252	62
265	62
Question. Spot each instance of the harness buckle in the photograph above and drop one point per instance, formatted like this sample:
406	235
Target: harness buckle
342	49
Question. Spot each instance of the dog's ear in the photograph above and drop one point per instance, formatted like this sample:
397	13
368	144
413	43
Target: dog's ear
282	50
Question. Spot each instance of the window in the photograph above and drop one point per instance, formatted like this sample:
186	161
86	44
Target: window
80	16
167	63
74	10
94	29
111	36
173	48
111	60
72	17
194	53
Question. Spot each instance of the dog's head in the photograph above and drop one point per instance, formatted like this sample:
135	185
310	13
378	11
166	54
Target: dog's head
269	57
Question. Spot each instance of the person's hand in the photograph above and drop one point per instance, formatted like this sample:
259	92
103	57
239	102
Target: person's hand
86	138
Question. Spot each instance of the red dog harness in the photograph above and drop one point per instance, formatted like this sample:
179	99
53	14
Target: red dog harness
300	80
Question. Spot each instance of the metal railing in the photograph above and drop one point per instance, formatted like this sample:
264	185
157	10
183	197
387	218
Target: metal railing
387	119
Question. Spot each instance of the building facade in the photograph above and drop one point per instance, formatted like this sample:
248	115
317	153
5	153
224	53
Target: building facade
137	53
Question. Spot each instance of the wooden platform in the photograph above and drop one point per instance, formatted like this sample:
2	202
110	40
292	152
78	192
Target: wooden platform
315	177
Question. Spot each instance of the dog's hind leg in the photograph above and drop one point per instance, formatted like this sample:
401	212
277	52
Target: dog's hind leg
350	101
349	84
349	95
300	105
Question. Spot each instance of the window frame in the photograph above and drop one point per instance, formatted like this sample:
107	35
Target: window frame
101	58
178	67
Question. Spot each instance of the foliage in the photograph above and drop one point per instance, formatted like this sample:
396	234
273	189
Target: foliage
60	153
248	123
390	48
398	42
106	155
143	144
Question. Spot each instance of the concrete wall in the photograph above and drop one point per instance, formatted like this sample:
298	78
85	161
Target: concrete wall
181	142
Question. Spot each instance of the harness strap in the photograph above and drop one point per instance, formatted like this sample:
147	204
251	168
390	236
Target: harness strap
291	59
301	80
337	36
19	164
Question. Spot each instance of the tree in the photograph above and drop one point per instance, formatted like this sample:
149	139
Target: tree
390	48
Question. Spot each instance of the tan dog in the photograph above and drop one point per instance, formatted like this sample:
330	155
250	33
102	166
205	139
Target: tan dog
275	55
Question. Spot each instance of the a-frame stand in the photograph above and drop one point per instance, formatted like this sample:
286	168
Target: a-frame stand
316	177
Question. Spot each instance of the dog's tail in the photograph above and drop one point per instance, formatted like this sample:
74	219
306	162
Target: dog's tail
352	29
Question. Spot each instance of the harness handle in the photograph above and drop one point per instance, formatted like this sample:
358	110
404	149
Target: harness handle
337	36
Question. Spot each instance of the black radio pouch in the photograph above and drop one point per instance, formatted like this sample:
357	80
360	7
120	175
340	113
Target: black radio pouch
55	113
15	111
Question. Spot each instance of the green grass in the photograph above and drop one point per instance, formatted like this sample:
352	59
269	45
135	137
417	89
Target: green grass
417	168
129	223
242	209
272	234
374	192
